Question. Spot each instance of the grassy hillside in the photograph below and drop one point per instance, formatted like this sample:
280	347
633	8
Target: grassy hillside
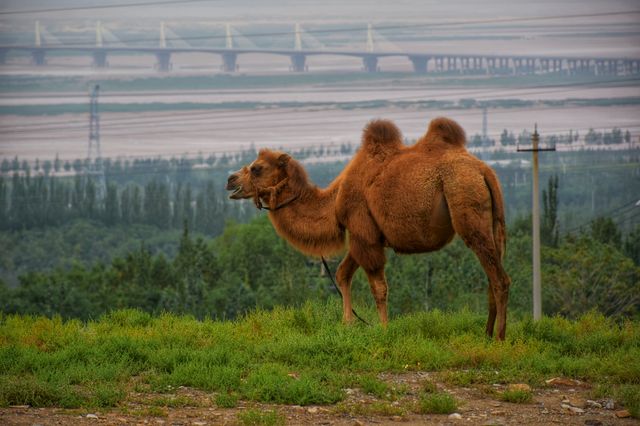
304	356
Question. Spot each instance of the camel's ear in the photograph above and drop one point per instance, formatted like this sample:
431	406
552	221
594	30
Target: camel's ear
283	160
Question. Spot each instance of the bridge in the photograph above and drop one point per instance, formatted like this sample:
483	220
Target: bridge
422	62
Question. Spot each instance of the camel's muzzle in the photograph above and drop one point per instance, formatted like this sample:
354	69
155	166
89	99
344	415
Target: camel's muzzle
233	184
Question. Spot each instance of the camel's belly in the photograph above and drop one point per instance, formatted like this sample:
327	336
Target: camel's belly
422	228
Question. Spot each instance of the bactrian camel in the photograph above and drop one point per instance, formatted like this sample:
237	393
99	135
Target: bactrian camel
413	199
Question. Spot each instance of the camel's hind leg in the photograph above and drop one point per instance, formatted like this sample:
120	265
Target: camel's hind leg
474	225
491	321
344	275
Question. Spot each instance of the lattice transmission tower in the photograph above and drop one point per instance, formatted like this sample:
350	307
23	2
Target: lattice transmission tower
95	168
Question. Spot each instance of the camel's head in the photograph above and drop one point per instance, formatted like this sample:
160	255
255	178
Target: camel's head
266	171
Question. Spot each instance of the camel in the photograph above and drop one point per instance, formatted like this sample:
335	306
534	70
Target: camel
412	199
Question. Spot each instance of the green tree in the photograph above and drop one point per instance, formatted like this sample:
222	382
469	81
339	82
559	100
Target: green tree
549	225
111	205
632	245
586	274
605	230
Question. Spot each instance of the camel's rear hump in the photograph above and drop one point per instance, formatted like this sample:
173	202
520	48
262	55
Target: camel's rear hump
446	130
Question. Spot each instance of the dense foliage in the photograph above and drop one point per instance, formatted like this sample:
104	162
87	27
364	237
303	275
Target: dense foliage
249	266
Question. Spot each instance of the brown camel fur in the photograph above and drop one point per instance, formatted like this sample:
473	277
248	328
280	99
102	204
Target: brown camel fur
413	199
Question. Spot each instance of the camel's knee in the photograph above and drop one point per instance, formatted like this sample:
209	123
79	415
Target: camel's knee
380	292
378	285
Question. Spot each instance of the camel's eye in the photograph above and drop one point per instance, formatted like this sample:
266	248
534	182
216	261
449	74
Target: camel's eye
255	170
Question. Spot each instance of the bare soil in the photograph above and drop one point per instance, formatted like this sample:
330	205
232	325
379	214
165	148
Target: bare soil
477	405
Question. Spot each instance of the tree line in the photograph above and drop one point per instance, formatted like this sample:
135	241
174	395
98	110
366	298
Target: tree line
37	202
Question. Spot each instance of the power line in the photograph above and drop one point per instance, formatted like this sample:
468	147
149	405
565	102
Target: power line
610	213
104	6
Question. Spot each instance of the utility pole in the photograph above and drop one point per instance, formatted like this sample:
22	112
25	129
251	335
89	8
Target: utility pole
535	217
485	132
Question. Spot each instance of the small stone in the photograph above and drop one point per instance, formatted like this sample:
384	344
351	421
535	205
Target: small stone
544	411
20	407
358	423
496	404
623	414
592	422
349	391
91	416
592	404
396	418
577	402
199	423
312	410
519	387
455	416
571	408
498	412
561	381
609	404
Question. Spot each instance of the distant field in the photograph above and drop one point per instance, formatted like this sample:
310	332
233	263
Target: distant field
36	83
422	364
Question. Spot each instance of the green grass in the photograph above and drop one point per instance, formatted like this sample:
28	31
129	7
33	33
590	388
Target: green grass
255	417
302	356
437	403
517	396
226	400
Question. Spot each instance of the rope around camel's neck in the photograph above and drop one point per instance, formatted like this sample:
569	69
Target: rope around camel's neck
271	194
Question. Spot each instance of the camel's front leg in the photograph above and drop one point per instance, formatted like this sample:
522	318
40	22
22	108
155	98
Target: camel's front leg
378	284
370	256
344	275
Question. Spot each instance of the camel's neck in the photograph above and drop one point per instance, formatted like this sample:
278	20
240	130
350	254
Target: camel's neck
305	215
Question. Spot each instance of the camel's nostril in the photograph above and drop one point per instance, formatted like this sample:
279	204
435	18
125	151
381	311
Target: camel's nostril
232	179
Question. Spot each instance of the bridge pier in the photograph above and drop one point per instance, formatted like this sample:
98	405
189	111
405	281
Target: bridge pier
163	61
452	64
491	66
38	57
477	64
420	63
370	63
505	68
544	65
299	62
100	59
439	64
229	62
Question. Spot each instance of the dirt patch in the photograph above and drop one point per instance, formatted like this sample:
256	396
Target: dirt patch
558	403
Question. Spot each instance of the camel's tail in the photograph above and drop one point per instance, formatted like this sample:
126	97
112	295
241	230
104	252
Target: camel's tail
497	209
447	130
381	133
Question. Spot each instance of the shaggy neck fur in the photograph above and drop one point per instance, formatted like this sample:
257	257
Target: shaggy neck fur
308	223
